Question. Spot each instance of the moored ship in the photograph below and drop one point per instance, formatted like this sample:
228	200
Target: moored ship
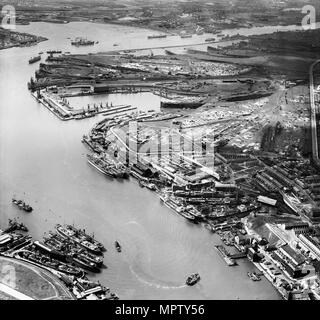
110	169
67	232
54	51
87	237
82	262
185	103
210	40
34	59
45	261
92	258
157	36
97	163
65	249
49	249
82	42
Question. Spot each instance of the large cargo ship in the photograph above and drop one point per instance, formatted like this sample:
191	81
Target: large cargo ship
82	42
179	104
50	250
157	36
87	237
34	59
67	232
54	51
96	163
44	261
82	262
110	169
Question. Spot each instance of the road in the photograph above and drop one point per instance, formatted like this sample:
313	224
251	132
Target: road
314	111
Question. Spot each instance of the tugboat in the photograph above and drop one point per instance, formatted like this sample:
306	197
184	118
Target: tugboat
22	205
117	245
193	279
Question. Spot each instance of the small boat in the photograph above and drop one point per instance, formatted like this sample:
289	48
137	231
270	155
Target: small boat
22	205
254	276
193	279
151	186
117	245
142	183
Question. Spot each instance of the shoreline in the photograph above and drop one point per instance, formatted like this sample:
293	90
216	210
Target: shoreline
33	39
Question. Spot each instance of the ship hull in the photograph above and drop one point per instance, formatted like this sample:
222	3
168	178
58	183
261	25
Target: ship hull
100	170
180	105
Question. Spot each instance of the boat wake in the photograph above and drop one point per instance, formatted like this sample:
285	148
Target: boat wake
153	283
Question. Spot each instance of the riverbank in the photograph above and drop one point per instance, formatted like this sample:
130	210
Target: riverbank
10	39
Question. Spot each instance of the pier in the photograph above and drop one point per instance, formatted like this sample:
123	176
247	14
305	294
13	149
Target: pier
65	113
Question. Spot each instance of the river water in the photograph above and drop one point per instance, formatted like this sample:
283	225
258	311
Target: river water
42	160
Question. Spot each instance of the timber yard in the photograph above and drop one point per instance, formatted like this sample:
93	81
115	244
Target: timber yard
233	148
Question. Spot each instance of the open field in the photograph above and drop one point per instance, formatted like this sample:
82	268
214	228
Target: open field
28	281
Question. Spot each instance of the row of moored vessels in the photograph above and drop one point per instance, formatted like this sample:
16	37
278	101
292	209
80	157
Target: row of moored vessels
80	237
70	250
29	254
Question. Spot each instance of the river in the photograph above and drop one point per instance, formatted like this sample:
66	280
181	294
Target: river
42	160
